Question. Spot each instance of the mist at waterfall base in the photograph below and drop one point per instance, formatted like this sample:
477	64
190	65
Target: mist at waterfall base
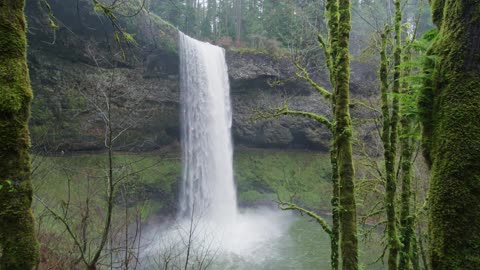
209	227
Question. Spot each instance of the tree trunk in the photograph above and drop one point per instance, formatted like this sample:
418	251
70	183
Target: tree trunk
406	220
343	143
388	155
18	244
407	145
453	131
335	236
391	153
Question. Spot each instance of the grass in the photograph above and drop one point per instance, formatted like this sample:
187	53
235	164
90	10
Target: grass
87	173
153	178
262	174
151	182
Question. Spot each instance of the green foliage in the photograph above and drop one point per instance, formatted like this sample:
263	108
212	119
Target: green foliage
418	101
277	23
8	186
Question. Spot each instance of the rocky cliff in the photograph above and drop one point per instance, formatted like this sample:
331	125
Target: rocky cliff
81	83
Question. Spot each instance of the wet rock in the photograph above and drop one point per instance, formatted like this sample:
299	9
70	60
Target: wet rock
72	77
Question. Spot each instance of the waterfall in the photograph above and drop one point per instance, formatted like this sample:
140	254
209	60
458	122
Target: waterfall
208	189
208	216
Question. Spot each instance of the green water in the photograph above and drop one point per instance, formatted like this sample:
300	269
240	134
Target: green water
305	246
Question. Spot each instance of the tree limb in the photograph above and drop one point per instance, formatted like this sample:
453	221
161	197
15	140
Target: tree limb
303	74
291	206
276	112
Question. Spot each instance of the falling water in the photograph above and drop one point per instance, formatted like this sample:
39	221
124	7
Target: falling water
208	199
208	189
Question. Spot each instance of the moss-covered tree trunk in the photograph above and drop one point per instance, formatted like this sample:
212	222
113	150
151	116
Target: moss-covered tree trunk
453	138
391	152
343	143
389	155
330	56
344	220
390	133
18	245
407	146
406	219
335	236
389	140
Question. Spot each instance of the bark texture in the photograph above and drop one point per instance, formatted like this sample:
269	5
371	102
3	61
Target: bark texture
343	143
408	145
452	136
391	152
18	244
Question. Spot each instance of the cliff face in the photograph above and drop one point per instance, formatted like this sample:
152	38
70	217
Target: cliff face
77	74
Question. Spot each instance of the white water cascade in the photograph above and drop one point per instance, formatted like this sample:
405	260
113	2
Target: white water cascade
209	220
208	189
208	193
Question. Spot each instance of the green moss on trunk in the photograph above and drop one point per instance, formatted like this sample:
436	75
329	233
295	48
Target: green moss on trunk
391	152
407	146
335	235
331	58
454	138
406	219
18	244
343	142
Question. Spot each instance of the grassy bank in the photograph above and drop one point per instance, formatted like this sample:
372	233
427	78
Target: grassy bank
260	175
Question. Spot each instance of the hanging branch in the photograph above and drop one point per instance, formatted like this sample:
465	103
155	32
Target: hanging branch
303	74
292	206
276	112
